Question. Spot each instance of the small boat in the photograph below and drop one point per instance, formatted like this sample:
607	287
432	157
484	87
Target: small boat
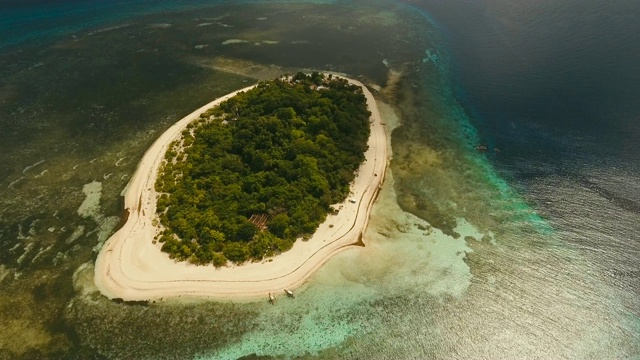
272	299
481	147
289	293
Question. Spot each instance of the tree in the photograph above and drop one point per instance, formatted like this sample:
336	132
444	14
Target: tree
236	252
284	149
263	245
219	260
246	230
279	224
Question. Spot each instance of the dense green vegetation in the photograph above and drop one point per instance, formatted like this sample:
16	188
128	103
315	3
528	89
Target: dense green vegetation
282	152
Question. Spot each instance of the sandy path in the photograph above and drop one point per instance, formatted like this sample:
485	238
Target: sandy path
131	267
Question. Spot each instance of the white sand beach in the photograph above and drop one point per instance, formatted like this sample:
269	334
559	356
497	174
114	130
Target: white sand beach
129	266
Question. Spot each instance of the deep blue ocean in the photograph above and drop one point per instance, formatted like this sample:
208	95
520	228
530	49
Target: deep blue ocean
551	88
555	86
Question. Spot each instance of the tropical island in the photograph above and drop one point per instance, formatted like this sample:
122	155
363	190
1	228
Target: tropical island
346	171
262	169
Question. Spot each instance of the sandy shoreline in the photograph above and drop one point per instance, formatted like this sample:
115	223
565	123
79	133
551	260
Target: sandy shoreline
129	266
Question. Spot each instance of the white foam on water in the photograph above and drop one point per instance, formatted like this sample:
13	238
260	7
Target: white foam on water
234	41
75	235
108	29
24	171
41	252
59	257
32	227
21	235
117	162
14	182
27	250
161	25
4	272
41	174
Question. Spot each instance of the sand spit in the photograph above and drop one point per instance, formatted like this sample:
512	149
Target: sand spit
129	266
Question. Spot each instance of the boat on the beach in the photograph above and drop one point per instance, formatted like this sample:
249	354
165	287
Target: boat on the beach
289	293
272	299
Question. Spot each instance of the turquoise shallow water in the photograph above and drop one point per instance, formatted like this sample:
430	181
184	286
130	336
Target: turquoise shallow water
341	303
522	253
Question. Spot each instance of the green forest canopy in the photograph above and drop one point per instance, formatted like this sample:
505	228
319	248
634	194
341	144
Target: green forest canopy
261	169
